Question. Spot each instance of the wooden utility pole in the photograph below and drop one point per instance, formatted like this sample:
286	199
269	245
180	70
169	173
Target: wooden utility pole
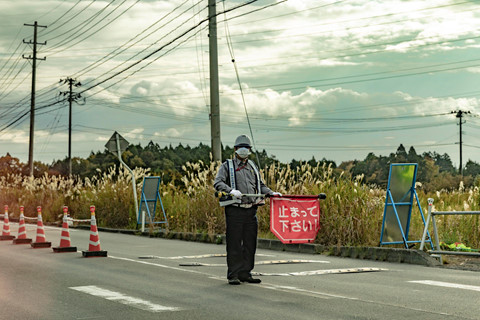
32	100
459	115
71	97
214	88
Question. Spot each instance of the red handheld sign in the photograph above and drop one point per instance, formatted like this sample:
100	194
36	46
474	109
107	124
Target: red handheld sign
295	219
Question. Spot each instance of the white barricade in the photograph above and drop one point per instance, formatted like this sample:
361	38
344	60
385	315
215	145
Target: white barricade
432	214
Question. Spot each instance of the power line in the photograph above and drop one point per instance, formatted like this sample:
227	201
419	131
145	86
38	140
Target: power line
48	104
134	41
346	26
380	73
341	22
63	15
84	32
164	46
274	4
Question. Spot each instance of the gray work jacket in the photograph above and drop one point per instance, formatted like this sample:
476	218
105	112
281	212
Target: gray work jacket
245	180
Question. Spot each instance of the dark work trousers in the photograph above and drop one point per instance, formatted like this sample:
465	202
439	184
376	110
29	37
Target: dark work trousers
242	229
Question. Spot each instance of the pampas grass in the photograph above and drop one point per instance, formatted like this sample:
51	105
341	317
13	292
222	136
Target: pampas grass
351	215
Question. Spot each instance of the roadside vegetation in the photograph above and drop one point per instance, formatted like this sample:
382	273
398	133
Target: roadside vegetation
351	214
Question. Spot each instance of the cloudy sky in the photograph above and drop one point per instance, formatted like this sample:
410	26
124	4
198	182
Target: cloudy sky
323	78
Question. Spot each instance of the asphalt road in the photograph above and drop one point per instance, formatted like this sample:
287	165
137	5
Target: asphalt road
187	280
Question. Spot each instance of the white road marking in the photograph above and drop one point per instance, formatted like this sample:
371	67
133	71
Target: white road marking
267	262
447	285
158	265
322	295
317	272
123	299
213	255
290	289
289	261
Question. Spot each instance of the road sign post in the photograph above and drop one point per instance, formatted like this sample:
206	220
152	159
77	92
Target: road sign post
116	144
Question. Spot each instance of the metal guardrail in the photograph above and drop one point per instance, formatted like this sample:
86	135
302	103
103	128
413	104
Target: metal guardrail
431	215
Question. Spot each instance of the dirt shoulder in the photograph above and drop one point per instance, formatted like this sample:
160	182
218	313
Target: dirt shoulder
461	263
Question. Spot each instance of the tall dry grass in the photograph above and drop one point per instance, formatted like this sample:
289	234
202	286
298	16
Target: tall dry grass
192	206
460	228
351	215
350	212
110	192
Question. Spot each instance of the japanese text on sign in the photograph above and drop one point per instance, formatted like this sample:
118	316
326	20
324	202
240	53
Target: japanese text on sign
295	220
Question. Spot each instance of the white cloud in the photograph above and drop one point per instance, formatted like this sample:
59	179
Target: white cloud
474	70
172	132
135	134
102	138
15	136
283	60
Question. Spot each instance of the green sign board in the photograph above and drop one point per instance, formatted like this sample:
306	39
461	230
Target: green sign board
399	202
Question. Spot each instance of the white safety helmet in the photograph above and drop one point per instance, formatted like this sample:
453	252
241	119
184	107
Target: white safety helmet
243	141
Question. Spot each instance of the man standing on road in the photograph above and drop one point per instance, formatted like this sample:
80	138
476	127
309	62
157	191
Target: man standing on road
237	177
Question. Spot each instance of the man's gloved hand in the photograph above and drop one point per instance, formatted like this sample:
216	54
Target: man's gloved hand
236	193
276	194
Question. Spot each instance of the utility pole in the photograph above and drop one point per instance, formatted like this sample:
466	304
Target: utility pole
214	89
71	97
459	115
32	100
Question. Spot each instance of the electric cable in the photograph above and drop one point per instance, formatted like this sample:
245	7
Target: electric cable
356	19
163	46
112	54
232	56
45	32
124	46
109	21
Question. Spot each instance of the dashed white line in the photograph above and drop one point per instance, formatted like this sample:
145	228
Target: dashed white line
447	284
123	299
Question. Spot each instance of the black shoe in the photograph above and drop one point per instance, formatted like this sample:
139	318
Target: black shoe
234	281
250	280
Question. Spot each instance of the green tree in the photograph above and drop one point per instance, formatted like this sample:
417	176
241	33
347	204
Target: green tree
472	169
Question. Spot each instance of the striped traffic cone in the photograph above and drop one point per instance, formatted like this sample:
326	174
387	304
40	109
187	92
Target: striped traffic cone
22	230
94	244
6	227
65	245
41	241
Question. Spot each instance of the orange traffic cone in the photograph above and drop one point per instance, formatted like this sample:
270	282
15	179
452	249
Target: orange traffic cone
65	245
94	244
41	241
6	227
22	230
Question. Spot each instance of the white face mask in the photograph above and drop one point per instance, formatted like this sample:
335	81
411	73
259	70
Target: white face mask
243	152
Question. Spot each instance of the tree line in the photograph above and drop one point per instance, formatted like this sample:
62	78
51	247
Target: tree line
435	171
